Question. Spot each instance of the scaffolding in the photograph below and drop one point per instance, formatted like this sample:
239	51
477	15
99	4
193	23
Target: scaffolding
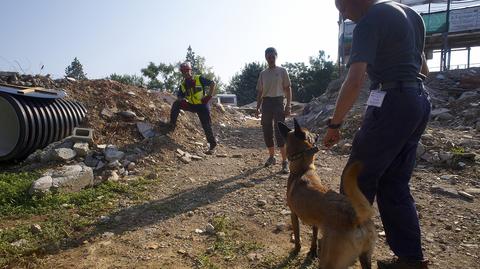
451	25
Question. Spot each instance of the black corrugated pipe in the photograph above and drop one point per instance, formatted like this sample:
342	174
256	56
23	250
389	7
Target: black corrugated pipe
28	124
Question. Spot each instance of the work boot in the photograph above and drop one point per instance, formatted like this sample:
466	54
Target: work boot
402	264
285	169
270	161
169	128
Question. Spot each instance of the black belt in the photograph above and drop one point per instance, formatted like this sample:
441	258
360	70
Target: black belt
400	85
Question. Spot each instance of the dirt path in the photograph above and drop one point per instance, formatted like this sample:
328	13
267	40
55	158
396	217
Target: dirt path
246	204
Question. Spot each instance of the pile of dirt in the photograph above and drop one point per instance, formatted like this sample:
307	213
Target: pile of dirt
115	111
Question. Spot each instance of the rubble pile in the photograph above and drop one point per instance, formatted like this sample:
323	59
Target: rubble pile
455	98
128	124
15	78
451	139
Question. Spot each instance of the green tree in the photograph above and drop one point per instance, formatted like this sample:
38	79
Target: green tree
200	67
312	80
167	76
75	70
133	80
244	83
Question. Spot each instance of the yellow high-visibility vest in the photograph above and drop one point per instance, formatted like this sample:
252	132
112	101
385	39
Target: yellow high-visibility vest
194	95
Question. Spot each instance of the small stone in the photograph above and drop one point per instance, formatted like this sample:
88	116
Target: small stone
285	212
196	158
81	148
128	114
113	177
104	219
262	203
108	234
210	229
36	229
152	245
248	184
382	233
185	159
473	190
281	227
444	190
466	195
222	155
64	154
131	166
181	251
114	164
199	231
19	243
252	257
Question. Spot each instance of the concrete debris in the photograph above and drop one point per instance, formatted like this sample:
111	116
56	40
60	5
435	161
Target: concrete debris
66	179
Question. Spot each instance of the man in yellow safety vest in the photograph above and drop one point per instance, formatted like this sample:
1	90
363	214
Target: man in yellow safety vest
193	97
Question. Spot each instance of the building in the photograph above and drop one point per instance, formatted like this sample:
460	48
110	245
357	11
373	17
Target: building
451	25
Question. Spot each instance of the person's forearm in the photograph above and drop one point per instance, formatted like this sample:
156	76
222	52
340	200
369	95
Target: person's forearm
212	89
424	70
346	98
349	92
259	99
288	95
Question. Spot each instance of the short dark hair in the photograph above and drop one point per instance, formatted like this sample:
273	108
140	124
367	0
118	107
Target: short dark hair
271	50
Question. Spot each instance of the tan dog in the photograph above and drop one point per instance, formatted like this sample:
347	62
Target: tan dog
345	221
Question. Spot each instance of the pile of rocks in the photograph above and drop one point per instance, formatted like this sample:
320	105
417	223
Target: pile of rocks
84	165
15	78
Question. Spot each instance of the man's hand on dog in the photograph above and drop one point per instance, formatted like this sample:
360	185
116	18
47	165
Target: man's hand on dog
331	137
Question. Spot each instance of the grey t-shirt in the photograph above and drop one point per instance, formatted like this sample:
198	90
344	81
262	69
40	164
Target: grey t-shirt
390	38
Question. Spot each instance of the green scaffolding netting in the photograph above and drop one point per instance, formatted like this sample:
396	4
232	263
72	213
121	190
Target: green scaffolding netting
435	22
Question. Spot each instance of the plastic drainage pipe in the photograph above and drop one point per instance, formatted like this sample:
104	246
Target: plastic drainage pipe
28	124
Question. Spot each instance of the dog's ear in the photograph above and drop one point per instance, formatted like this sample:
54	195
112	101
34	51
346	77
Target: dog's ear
299	133
284	130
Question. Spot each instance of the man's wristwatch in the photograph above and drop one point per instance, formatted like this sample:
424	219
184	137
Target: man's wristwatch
333	126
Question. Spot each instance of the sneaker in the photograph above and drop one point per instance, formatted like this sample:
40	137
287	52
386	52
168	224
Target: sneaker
402	264
270	161
285	169
211	151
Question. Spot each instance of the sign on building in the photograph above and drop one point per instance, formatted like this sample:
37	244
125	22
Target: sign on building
465	19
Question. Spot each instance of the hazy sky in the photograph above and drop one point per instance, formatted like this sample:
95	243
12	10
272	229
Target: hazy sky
123	36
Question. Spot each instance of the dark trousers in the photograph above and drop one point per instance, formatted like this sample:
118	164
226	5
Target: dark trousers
386	144
203	113
272	112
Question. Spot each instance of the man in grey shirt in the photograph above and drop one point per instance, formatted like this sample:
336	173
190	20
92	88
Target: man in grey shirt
273	87
388	43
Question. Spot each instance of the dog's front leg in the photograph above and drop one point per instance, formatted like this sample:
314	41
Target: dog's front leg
313	248
296	232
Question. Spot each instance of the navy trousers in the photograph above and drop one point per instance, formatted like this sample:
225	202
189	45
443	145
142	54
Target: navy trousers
203	113
386	144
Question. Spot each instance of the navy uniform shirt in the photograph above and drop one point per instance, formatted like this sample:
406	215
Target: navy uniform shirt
204	81
390	39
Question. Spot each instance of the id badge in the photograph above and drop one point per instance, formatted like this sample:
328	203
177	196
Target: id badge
376	98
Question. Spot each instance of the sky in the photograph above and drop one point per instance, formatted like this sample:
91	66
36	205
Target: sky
123	36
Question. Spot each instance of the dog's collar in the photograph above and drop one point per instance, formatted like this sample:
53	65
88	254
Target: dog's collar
299	155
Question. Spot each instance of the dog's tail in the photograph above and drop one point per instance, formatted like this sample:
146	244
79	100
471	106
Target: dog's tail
362	207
